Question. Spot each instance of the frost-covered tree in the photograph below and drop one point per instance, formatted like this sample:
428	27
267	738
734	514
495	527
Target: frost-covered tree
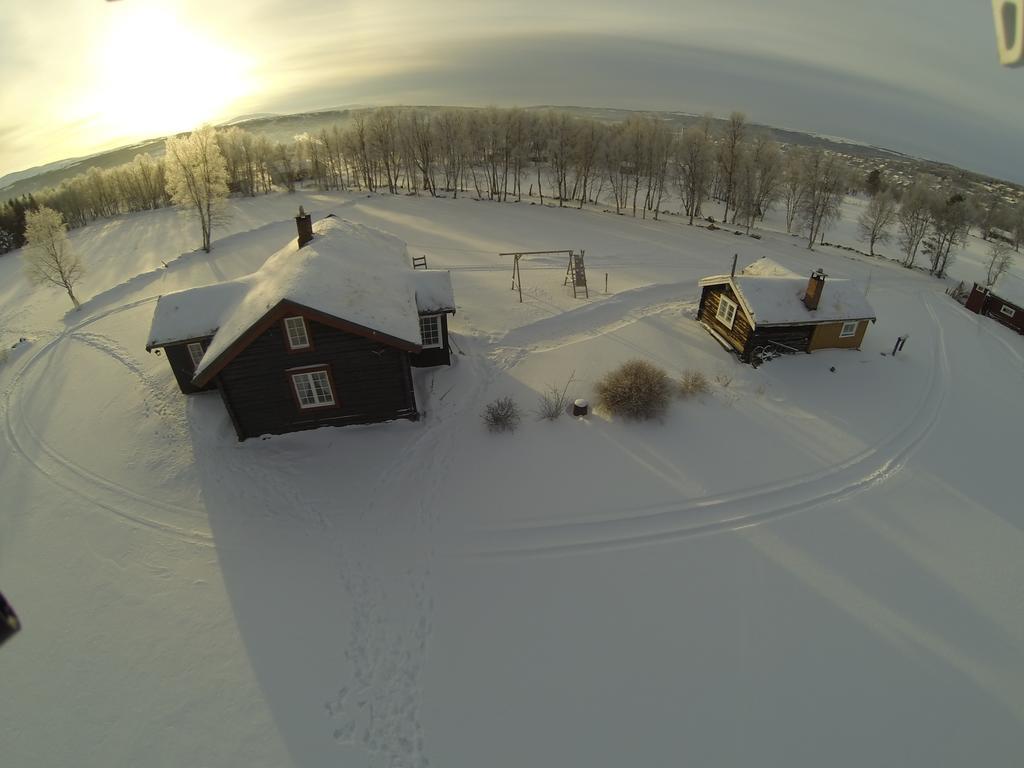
1000	258
49	258
914	219
6	241
874	223
197	178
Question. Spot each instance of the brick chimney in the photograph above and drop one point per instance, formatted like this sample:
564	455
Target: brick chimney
304	224
814	288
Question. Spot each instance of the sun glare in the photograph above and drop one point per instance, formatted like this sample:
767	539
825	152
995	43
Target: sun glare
155	75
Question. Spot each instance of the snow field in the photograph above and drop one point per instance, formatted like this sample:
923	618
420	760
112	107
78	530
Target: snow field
804	567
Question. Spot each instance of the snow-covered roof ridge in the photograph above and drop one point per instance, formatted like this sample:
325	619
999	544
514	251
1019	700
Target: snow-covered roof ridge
773	295
350	271
767	268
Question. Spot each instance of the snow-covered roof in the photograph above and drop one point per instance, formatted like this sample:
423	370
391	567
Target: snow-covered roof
192	314
350	271
433	289
773	295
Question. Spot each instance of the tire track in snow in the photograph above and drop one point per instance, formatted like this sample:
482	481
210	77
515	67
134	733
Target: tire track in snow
102	492
733	511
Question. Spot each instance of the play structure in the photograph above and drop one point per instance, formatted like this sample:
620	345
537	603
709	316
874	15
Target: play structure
575	273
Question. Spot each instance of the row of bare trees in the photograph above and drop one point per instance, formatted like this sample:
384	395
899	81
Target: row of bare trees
638	167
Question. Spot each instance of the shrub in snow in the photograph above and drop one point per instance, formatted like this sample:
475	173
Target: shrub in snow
502	415
636	390
693	383
723	379
555	400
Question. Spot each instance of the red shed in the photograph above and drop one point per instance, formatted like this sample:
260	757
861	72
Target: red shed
984	302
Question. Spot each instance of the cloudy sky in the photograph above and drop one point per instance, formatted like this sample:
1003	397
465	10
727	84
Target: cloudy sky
919	76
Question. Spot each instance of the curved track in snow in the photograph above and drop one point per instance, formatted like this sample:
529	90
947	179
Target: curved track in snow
124	502
735	510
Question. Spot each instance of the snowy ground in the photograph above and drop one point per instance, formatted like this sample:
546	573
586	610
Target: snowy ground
803	567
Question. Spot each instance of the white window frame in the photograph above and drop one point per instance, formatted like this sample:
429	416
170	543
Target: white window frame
291	335
1008	311
728	317
437	330
843	334
196	357
322	396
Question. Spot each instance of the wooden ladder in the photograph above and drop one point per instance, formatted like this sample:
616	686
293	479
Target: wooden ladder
419	262
577	272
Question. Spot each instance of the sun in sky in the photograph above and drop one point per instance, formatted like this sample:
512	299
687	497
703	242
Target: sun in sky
155	74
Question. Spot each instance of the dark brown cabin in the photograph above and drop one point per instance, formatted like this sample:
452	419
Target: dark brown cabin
344	358
982	301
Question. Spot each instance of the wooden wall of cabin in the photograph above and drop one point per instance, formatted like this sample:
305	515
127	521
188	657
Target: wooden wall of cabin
181	366
371	382
740	332
993	308
826	336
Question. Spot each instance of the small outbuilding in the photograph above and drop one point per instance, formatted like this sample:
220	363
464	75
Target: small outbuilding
767	310
982	301
324	333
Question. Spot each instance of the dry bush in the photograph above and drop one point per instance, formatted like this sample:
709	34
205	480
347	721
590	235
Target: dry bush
723	379
502	415
693	383
636	390
555	400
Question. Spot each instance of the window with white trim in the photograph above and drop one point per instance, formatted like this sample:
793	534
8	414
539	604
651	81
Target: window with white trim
313	389
726	313
849	329
430	331
1008	311
196	352
298	336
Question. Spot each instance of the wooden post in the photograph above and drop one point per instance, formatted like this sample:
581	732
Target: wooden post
606	283
519	278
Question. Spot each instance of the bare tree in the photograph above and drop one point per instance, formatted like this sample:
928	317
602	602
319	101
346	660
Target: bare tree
914	219
987	211
197	178
745	189
767	162
794	190
1000	258
49	259
1017	225
874	223
729	156
825	178
950	225
693	169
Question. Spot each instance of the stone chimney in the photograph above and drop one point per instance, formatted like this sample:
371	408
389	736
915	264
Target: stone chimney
814	288
304	224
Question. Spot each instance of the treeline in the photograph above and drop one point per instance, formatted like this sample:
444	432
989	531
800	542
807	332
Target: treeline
636	166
